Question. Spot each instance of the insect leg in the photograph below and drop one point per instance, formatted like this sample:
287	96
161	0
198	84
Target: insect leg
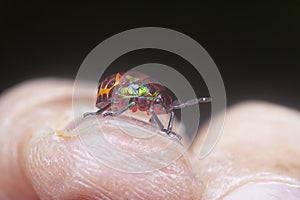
118	112
156	119
168	131
192	102
88	114
171	120
97	112
151	120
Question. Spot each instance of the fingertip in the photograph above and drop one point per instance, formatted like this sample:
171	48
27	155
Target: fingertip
31	108
57	167
115	166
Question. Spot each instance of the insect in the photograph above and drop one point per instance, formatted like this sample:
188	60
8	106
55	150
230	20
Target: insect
137	91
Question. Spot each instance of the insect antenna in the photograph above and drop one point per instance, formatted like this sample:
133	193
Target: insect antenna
191	102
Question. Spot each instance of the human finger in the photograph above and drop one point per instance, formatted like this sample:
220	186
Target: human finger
53	161
256	157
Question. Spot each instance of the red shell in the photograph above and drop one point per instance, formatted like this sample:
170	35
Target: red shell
108	85
105	89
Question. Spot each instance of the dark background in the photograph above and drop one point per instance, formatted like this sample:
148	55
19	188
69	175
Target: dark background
255	46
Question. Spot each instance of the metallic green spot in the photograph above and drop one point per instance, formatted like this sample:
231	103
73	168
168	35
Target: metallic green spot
143	91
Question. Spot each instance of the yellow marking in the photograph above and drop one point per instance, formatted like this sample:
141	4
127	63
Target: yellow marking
107	90
131	78
128	91
63	136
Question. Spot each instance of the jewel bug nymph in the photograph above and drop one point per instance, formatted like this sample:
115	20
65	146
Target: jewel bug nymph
137	91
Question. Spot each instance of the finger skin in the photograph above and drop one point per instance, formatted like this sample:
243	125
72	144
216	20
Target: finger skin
65	170
260	143
46	164
17	125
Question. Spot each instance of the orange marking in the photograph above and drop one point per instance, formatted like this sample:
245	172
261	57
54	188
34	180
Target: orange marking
107	90
63	136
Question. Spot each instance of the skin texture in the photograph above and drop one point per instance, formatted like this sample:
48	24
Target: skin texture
46	155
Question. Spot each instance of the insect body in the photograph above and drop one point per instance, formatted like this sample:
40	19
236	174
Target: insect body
136	91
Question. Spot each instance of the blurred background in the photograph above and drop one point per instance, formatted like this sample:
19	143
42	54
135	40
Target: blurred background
255	46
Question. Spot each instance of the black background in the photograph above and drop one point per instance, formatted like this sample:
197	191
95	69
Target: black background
255	46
